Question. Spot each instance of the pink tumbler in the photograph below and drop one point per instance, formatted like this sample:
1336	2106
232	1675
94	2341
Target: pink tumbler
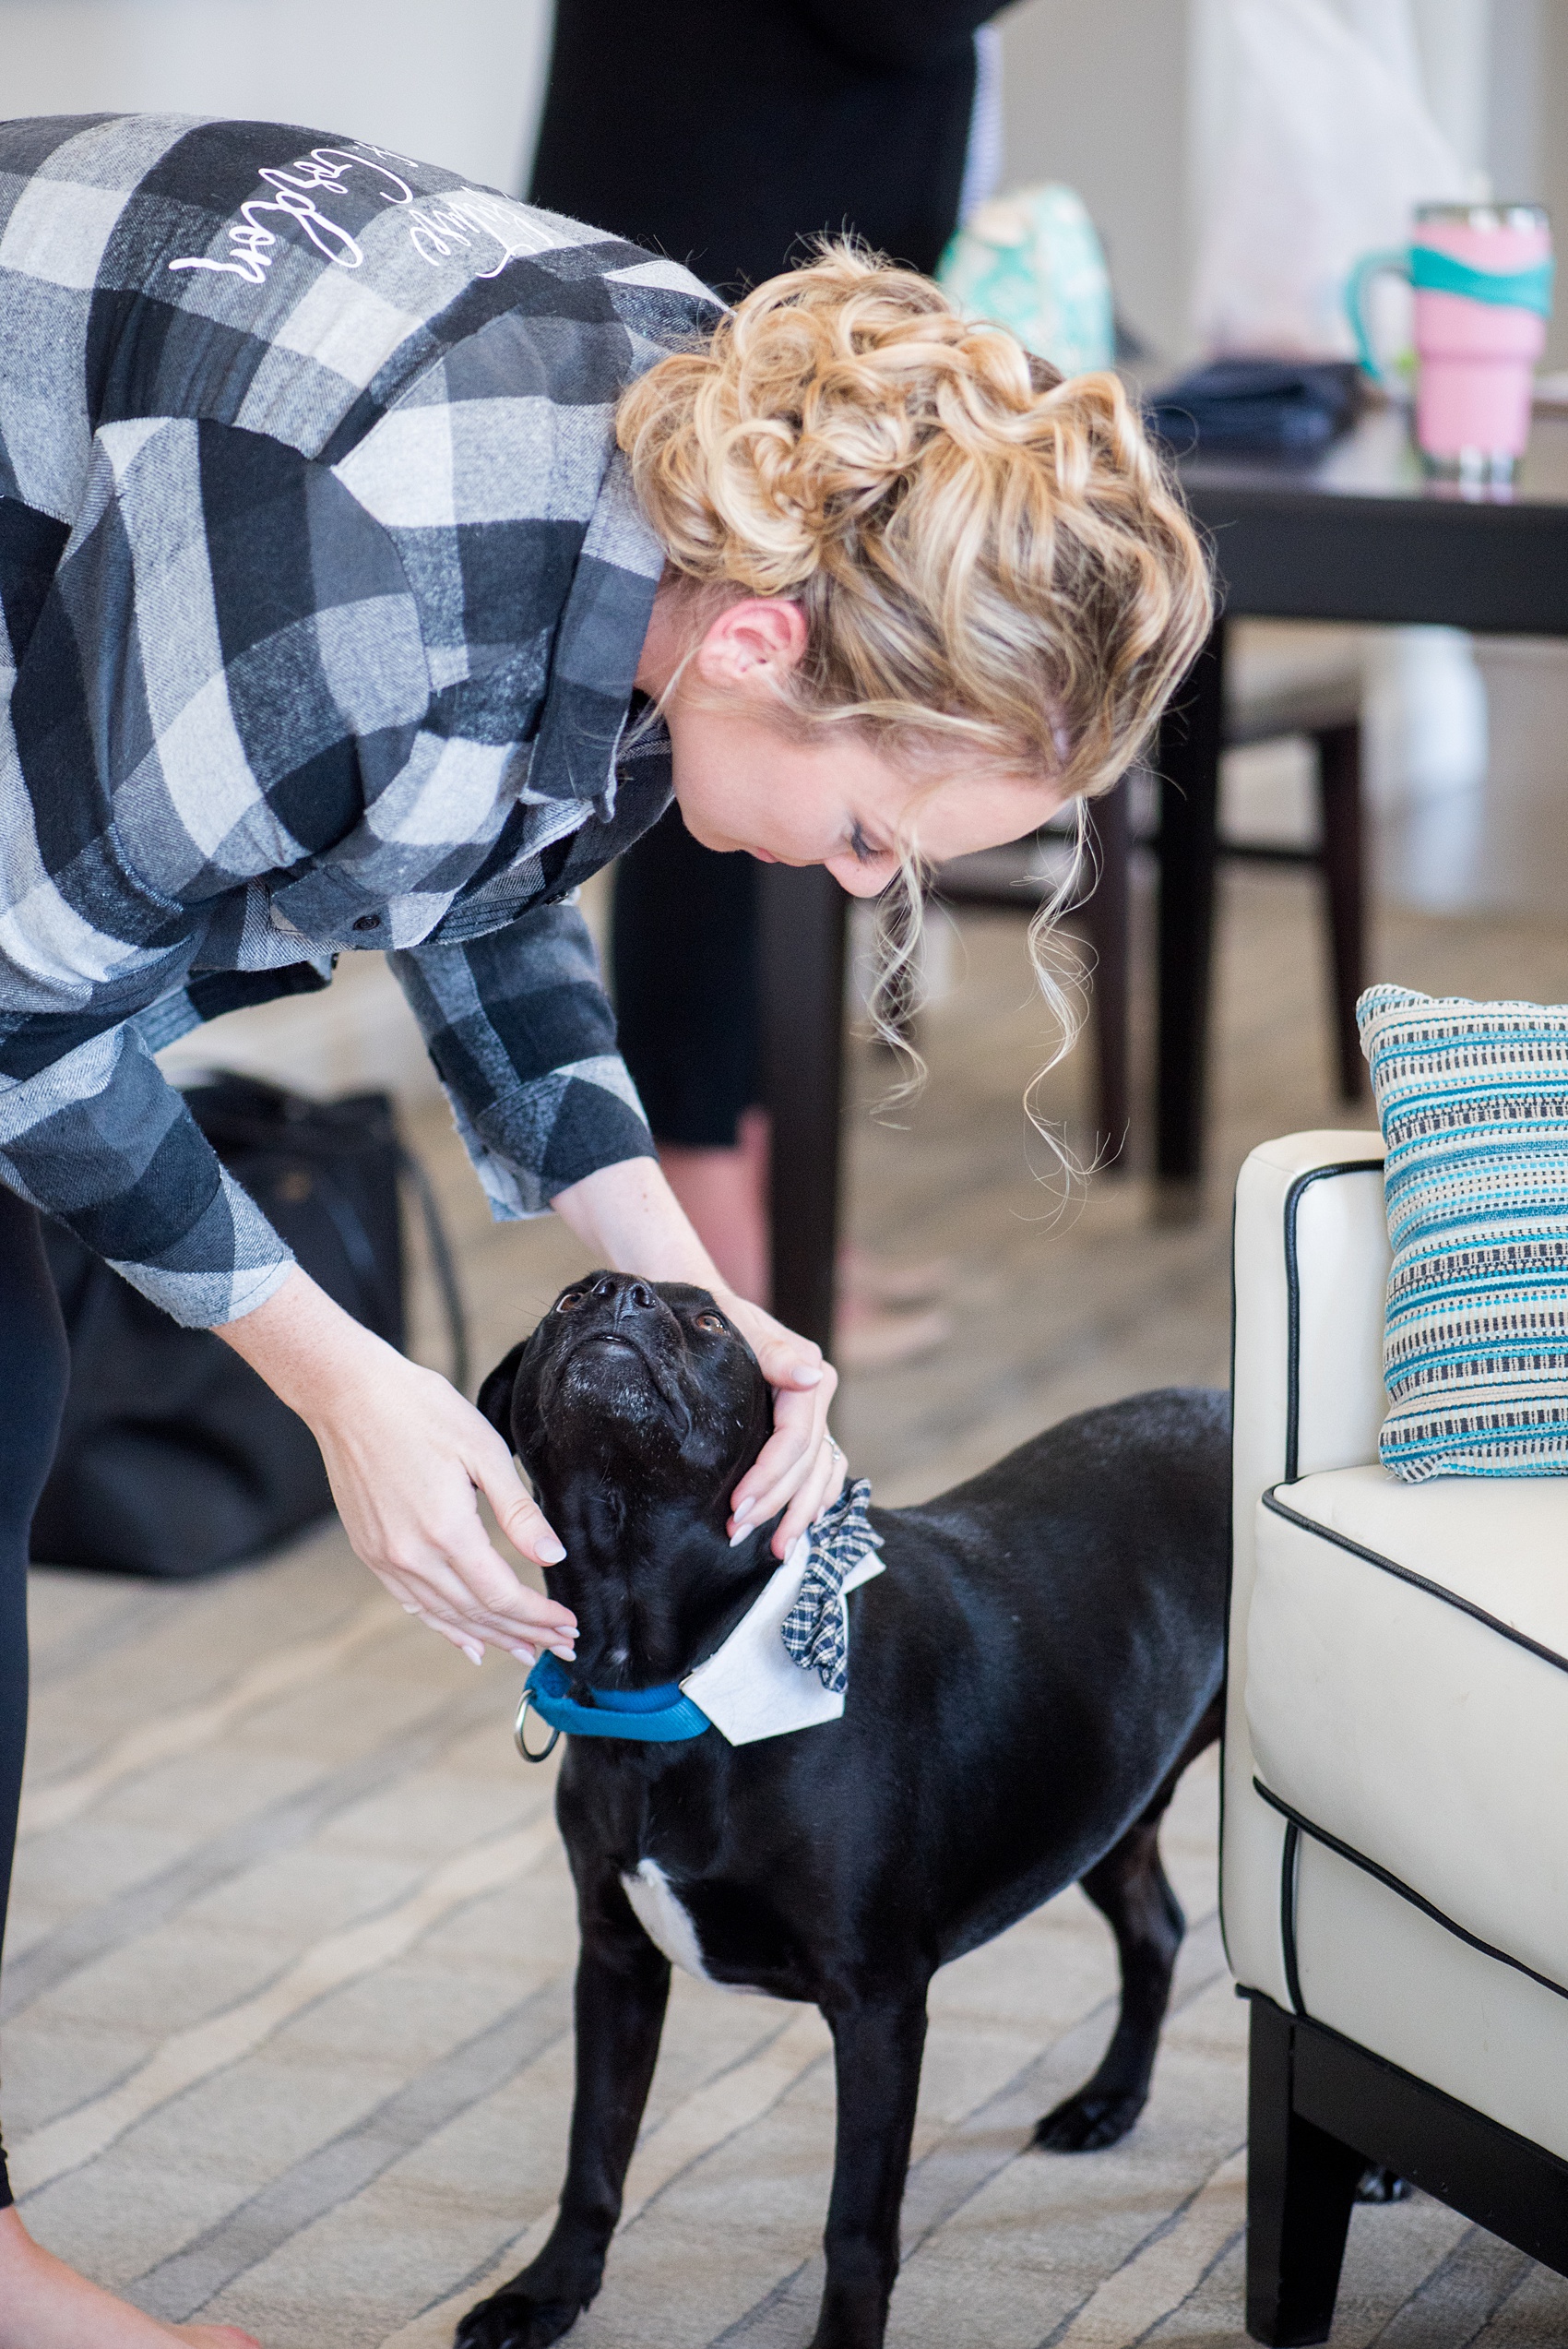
1482	279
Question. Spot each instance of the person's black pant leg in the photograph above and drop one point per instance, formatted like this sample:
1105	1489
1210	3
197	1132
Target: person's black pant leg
34	1368
684	970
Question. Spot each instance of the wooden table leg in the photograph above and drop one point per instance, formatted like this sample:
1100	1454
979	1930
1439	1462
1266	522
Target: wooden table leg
1339	803
1188	764
802	938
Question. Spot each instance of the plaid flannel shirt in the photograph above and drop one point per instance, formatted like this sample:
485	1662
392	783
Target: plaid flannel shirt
323	588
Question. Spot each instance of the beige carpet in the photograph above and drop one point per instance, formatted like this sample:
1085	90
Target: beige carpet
286	1995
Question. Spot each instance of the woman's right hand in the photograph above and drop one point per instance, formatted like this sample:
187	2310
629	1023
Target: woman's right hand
405	1462
407	1458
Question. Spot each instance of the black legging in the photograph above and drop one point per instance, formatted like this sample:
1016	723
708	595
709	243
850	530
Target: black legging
34	1366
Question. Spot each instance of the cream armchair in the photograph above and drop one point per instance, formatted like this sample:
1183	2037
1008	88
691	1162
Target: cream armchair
1395	1851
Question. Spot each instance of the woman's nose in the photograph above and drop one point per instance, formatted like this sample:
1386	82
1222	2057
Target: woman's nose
859	880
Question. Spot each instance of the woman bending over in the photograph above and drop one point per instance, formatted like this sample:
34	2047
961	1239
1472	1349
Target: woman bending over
377	557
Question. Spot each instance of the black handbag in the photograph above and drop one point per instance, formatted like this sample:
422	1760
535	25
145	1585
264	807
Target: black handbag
174	1456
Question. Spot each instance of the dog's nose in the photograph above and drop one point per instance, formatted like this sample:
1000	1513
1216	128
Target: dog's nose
635	1297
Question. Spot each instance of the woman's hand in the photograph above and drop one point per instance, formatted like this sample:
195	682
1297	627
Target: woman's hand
407	1458
800	1464
405	1463
632	1219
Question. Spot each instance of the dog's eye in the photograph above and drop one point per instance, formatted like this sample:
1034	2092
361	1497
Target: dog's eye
570	1302
711	1321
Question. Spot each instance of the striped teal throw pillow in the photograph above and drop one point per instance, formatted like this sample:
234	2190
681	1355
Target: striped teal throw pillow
1473	1102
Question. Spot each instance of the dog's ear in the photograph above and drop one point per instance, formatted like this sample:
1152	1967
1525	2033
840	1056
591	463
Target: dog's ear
495	1396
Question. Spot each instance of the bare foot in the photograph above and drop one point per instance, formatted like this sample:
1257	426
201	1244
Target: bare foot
45	2305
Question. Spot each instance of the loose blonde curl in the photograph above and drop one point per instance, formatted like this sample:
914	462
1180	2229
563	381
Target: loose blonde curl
988	557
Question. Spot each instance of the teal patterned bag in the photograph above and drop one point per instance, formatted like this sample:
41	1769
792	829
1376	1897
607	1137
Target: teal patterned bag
1032	262
1473	1102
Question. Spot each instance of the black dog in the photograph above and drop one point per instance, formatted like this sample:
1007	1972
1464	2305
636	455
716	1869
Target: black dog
1028	1680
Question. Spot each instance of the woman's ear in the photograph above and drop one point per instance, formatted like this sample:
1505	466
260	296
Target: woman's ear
753	645
496	1395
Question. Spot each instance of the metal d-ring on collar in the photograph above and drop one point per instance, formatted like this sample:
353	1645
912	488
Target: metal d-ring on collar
521	1742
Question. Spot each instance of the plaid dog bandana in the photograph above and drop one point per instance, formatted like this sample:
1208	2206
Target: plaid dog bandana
817	1629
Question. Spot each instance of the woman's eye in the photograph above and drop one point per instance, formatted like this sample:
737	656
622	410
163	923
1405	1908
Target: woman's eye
711	1321
861	847
570	1302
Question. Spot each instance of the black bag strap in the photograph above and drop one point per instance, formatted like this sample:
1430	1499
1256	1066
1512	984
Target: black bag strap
361	1255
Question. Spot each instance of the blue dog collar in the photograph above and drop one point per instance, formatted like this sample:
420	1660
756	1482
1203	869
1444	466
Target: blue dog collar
659	1716
783	1667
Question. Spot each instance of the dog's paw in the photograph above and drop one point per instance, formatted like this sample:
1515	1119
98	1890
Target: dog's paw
1086	2123
516	2321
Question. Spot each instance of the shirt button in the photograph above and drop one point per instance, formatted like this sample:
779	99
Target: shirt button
368	922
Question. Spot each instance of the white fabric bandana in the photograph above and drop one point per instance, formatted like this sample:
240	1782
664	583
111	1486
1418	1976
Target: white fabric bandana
752	1687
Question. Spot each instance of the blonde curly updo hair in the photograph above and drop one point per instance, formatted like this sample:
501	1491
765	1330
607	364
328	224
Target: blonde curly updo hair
985	554
989	556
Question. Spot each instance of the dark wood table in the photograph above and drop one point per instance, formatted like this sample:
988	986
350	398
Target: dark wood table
1360	535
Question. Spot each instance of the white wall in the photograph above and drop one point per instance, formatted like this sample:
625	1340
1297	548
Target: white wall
457	85
1455	39
1098	96
1551	182
1497	74
1118	99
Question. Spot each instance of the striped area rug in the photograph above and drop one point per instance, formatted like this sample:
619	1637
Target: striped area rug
286	2036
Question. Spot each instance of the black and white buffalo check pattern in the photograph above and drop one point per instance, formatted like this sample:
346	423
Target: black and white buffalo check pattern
817	1629
323	588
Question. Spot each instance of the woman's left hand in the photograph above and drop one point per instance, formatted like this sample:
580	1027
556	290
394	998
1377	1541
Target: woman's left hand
799	1463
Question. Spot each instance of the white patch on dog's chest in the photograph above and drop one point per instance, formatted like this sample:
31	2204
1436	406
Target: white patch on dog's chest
666	1923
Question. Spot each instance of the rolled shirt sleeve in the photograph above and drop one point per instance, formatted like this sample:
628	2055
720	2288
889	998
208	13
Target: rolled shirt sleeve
523	1038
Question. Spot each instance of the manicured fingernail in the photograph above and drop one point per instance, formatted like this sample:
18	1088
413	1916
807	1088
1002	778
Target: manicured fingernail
474	1655
567	1656
524	1655
409	1607
549	1552
742	1534
808	1377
